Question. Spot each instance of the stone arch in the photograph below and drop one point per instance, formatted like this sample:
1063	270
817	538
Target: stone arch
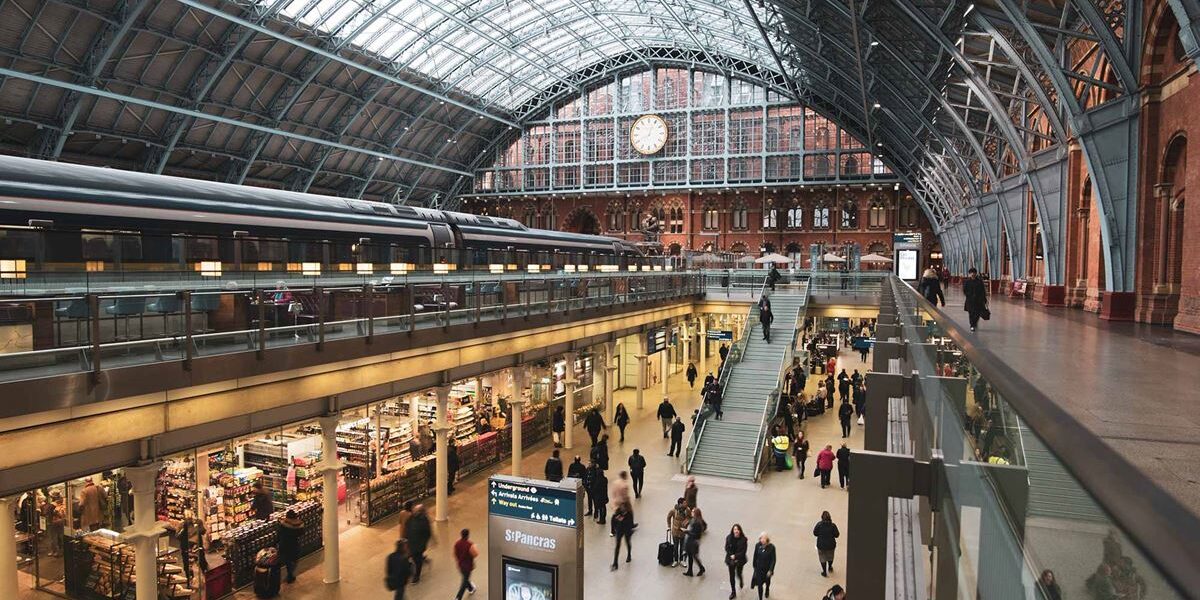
1163	50
675	249
1173	179
738	248
582	220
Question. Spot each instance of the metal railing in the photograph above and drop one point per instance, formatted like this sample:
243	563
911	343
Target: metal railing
89	332
1149	543
772	404
736	352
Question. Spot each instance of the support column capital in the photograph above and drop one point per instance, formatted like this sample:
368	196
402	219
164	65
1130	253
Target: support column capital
443	393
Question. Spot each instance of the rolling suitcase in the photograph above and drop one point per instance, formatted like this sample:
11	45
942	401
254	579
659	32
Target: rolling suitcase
267	574
666	552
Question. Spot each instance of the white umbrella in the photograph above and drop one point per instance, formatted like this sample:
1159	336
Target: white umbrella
875	258
772	258
746	259
832	258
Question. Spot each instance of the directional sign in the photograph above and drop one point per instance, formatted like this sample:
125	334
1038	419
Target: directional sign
656	340
531	502
723	335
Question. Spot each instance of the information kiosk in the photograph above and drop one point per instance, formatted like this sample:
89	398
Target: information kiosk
535	539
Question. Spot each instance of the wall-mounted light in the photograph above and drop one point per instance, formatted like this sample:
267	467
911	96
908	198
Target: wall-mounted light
365	268
311	269
532	268
265	266
569	268
12	269
496	269
94	266
209	268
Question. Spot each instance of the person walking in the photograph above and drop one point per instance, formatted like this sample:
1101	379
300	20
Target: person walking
763	565
676	437
452	464
620	491
399	569
588	480
418	531
599	495
622	529
621	418
708	380
288	542
826	533
835	593
773	277
691	375
825	464
735	558
558	426
800	452
465	554
677	519
843	465
691	542
830	390
554	467
860	399
261	504
406	512
723	351
843	386
766	317
976	303
576	469
637	471
691	492
845	413
600	453
666	414
714	401
593	424
931	287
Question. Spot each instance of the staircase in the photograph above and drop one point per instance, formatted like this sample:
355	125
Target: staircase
729	447
1053	493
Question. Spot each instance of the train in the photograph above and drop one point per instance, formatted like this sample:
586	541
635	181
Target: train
58	217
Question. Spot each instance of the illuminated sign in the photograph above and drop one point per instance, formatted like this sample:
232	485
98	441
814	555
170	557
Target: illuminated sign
531	502
656	340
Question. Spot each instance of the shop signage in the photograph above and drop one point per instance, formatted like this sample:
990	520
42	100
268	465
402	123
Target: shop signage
656	340
531	502
722	335
909	240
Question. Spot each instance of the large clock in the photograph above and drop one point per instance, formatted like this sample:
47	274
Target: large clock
648	134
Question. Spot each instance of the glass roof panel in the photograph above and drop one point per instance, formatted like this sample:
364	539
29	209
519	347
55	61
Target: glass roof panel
505	51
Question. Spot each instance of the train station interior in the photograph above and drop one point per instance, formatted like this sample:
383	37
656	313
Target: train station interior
555	299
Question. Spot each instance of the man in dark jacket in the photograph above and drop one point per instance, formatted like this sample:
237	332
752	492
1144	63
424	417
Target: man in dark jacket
399	569
593	424
723	351
714	400
845	413
262	504
576	469
773	277
843	464
558	426
600	453
554	467
766	317
860	399
666	414
290	528
931	287
588	479
599	495
452	465
976	294
676	437
691	375
637	471
418	531
829	390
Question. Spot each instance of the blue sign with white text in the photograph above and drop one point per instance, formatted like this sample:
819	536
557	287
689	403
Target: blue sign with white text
532	502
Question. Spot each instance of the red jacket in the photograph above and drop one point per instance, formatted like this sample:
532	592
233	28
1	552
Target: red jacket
464	555
825	459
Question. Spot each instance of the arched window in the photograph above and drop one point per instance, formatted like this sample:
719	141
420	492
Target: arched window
740	217
850	166
676	219
877	214
795	217
821	217
908	213
849	215
616	218
795	139
821	166
738	248
712	217
770	217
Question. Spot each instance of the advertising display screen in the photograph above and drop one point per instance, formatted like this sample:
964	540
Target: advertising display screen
524	580
906	264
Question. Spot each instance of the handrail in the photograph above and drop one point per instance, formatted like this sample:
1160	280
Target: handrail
736	352
772	403
1162	528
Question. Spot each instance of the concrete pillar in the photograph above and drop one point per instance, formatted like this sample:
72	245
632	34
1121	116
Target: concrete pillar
441	433
665	367
609	373
641	373
703	346
517	451
329	467
144	533
570	384
478	389
415	415
8	547
685	332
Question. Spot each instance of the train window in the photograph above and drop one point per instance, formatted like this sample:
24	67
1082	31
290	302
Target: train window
340	251
129	246
303	251
16	243
264	250
198	249
97	246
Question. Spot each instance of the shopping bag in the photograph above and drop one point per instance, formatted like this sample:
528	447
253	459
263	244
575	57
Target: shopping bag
860	420
790	463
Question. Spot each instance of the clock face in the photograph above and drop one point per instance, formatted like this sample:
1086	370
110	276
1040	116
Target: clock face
648	134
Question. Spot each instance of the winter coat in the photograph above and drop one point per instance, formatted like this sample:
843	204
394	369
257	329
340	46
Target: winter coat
419	532
594	423
677	431
622	522
599	489
825	459
677	519
554	469
691	372
621	418
800	451
665	410
826	533
289	539
976	295
843	457
764	561
690	494
735	547
576	470
560	421
845	412
600	456
91	505
637	464
931	289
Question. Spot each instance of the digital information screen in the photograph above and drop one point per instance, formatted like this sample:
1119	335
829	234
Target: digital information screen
724	335
524	580
906	264
656	340
529	502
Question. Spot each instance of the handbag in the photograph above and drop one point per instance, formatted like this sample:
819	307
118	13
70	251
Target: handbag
860	420
986	314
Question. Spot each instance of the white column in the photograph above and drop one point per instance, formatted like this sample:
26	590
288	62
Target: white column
665	360
685	331
609	373
329	468
641	375
703	346
478	389
441	430
414	415
8	547
570	383
144	533
516	406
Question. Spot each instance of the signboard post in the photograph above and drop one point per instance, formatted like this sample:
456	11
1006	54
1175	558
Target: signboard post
535	539
908	255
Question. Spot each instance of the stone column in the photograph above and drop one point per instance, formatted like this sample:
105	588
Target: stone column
703	346
441	433
685	332
570	384
415	415
665	366
641	372
329	467
609	372
144	533
1161	272
8	547
517	451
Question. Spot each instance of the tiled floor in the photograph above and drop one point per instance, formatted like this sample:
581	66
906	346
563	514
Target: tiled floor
782	505
1136	386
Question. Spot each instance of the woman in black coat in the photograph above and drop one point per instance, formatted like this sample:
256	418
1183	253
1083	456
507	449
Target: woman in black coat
826	533
558	426
931	287
976	295
735	558
763	565
621	418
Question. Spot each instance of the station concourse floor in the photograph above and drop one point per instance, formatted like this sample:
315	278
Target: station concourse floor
783	505
1134	385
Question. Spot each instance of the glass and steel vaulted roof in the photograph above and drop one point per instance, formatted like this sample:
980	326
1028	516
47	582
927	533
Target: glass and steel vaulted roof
506	51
